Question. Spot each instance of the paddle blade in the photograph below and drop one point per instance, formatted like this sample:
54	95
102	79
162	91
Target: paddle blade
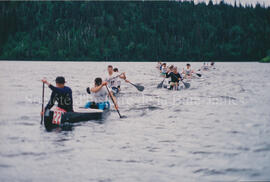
138	87
160	85
198	74
187	85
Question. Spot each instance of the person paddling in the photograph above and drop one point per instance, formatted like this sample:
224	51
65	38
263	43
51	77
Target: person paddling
170	68
100	96
118	82
163	70
169	71
212	65
113	79
61	93
175	78
187	71
205	67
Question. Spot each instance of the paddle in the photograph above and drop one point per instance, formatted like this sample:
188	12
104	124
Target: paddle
161	84
138	87
113	102
187	85
42	105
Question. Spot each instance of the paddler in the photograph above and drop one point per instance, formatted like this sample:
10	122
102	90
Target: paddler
170	68
169	71
159	65
205	67
60	93
113	79
163	70
212	64
100	96
175	78
187	71
118	84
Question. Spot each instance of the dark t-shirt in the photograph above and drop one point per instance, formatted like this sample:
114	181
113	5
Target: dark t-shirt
63	96
174	77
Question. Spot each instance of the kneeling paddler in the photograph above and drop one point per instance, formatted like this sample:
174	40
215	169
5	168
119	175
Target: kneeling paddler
60	93
100	96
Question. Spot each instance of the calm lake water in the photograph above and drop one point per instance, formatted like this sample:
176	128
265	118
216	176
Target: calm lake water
217	130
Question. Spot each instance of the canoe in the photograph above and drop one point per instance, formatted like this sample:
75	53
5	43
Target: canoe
179	89
54	119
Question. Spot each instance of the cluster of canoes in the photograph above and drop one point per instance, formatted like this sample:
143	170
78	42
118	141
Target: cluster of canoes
174	77
102	90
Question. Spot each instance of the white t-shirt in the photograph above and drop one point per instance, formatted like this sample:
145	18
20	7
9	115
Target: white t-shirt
187	71
119	82
100	96
163	70
113	80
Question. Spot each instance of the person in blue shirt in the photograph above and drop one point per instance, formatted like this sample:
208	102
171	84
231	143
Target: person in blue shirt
60	93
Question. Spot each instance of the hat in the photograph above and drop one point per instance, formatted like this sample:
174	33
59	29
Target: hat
60	79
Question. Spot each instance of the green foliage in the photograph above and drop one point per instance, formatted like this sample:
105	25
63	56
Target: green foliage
266	60
133	31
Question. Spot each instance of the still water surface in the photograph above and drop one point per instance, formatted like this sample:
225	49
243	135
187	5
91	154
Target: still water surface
218	130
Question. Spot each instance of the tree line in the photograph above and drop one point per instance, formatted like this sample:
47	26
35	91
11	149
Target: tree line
133	31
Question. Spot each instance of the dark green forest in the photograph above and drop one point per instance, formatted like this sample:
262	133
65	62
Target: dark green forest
133	31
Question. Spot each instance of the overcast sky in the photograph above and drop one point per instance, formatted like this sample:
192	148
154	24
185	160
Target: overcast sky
266	2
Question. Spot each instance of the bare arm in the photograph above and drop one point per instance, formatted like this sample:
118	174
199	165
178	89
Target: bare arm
53	88
96	89
123	76
46	82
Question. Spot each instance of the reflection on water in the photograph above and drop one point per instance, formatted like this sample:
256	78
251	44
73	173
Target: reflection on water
217	130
